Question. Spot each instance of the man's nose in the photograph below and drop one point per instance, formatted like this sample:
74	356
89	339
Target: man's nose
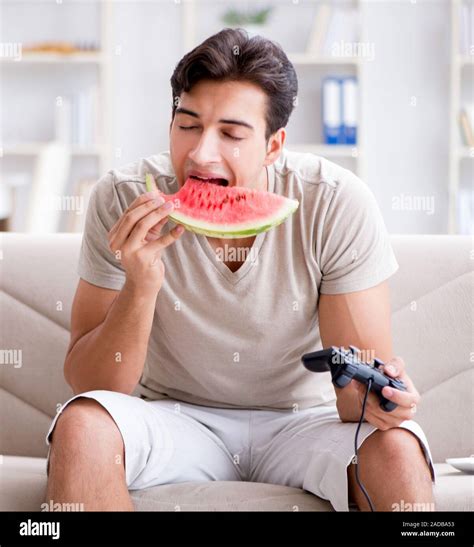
206	149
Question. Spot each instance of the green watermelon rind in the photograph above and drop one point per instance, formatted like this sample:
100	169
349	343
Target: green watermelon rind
198	228
268	224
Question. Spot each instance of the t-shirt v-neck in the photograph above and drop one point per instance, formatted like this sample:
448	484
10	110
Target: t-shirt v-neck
252	256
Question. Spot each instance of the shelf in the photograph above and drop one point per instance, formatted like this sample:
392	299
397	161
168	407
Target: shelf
309	59
55	58
328	150
465	60
34	148
466	152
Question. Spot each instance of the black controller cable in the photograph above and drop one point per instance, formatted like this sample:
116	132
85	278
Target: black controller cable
369	385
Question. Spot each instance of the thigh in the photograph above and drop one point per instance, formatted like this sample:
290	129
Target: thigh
283	447
161	446
313	450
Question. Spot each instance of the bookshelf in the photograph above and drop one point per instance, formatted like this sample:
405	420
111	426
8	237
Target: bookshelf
34	148
461	157
90	157
328	150
313	65
309	59
29	58
353	156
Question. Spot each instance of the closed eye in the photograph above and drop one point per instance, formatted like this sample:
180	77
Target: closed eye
188	128
233	138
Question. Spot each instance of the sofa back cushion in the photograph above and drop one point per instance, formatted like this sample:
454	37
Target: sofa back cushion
431	325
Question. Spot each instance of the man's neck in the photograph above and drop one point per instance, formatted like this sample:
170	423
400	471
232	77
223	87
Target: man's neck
264	183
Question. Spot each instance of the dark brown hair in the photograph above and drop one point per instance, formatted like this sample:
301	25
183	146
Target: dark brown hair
230	55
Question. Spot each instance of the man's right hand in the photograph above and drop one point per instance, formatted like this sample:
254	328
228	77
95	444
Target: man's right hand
137	242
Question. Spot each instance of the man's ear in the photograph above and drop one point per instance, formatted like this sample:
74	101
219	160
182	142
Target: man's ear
275	146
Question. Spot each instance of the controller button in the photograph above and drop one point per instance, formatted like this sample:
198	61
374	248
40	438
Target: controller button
354	350
378	363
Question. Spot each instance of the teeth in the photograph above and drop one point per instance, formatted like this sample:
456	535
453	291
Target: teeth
218	181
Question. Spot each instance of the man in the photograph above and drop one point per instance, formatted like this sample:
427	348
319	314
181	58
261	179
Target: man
213	345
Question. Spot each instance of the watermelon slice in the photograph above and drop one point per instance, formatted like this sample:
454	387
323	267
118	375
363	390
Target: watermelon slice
218	211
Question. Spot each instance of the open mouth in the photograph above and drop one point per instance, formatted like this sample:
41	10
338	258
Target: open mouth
218	181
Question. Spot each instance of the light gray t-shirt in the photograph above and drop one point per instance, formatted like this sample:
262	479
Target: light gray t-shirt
235	339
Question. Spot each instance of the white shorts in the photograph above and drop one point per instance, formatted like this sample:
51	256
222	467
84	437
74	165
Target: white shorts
169	441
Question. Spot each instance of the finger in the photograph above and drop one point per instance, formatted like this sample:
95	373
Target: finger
402	398
408	383
140	201
376	413
155	232
397	415
372	403
388	419
362	389
137	202
130	220
395	367
373	406
166	240
139	232
143	198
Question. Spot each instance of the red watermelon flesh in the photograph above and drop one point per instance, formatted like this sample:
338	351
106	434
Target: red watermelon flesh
226	212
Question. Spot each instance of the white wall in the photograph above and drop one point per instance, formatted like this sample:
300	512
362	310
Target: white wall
408	145
149	38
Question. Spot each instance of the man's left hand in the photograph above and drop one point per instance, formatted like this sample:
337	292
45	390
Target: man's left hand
407	401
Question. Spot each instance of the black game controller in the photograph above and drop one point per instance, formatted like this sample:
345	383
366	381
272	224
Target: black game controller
345	366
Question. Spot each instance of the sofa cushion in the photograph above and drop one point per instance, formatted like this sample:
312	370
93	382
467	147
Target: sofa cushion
23	488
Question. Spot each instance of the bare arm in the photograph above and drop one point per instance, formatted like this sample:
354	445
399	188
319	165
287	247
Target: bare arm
361	319
110	329
109	338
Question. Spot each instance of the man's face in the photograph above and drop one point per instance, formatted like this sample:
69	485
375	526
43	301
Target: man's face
218	131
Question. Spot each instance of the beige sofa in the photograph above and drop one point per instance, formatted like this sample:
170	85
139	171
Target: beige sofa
432	320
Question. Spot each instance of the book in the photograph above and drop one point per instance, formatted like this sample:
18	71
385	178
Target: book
340	110
466	120
332	110
349	109
466	133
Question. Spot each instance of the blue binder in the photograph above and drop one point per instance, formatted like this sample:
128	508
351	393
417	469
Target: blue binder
339	110
332	110
349	109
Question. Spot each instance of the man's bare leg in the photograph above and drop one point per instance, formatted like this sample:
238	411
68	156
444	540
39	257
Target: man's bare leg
87	460
394	472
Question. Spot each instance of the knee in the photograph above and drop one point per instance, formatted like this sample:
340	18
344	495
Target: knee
83	422
399	449
395	443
